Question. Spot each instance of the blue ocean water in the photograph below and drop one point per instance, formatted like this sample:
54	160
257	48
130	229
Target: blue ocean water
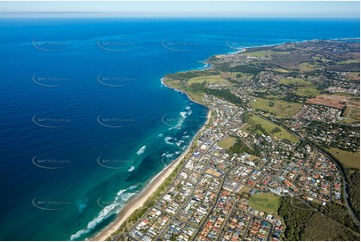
85	122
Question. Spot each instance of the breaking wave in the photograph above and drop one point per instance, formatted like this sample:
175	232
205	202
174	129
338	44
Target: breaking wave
141	150
106	212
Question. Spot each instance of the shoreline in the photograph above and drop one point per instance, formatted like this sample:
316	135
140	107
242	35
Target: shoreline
139	200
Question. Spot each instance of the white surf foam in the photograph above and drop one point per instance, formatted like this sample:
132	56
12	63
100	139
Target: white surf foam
132	187
183	114
106	212
141	150
121	192
168	140
169	155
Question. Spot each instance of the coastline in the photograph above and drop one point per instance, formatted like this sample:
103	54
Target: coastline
139	200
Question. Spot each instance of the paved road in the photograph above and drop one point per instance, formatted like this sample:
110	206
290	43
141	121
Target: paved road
185	203
161	196
217	199
226	221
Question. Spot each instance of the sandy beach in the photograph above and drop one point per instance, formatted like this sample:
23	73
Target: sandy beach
139	201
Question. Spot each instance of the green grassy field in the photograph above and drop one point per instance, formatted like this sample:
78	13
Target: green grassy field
265	202
279	108
353	115
282	70
319	58
197	97
309	91
253	158
348	159
354	76
294	81
349	62
268	126
245	189
212	79
238	75
179	85
306	67
226	143
301	87
265	53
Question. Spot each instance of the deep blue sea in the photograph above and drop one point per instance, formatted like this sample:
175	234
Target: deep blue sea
85	123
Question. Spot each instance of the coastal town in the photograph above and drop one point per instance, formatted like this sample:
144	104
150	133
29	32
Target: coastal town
272	140
180	120
204	202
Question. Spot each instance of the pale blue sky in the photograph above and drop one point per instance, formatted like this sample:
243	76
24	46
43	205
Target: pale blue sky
310	9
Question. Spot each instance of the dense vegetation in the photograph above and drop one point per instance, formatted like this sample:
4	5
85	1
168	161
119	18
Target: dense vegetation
184	76
303	223
345	67
240	147
245	69
353	180
346	132
319	227
220	93
294	217
340	214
